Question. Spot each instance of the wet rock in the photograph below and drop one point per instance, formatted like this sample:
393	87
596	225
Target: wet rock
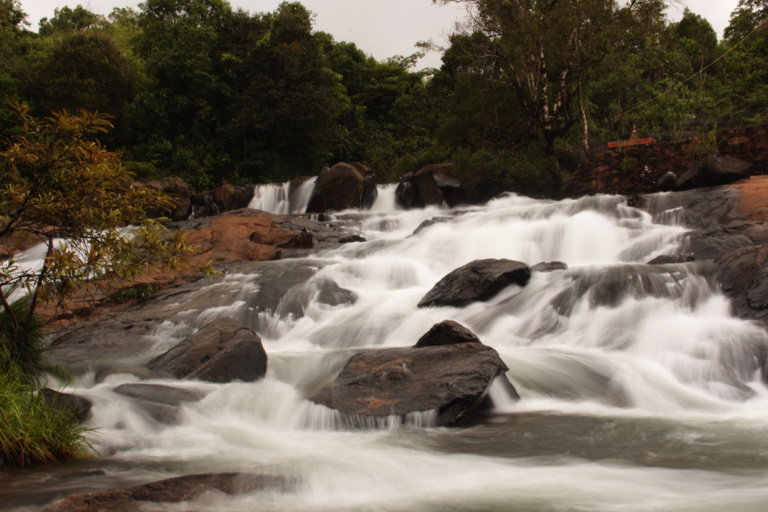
222	351
714	171
447	332
429	186
743	274
549	266
430	222
342	187
158	401
160	393
668	259
228	198
172	490
476	281
352	239
451	380
79	406
667	182
323	290
243	235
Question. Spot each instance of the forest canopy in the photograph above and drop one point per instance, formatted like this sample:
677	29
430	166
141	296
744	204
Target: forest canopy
218	95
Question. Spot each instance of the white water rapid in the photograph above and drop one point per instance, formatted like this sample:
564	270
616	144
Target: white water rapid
640	391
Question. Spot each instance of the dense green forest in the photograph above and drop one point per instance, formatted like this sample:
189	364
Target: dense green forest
213	95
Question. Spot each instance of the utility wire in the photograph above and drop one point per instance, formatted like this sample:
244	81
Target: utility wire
698	73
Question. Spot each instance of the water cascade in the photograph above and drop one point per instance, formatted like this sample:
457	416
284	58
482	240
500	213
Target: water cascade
640	391
283	197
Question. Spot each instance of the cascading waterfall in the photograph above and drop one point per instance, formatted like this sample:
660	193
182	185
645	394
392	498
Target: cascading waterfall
640	391
283	197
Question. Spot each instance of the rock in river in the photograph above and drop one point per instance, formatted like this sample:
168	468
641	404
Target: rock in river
476	281
446	374
222	351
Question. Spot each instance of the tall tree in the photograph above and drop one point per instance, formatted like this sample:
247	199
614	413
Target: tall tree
543	51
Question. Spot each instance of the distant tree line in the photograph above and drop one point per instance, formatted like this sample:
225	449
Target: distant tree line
212	94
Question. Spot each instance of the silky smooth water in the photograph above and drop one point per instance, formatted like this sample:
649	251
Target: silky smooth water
640	391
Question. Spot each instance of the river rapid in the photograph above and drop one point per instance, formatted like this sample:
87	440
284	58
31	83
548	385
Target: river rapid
640	391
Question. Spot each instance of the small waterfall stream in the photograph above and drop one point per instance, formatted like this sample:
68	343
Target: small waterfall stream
283	197
640	391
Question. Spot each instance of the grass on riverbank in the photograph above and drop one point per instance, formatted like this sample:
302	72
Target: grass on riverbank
31	431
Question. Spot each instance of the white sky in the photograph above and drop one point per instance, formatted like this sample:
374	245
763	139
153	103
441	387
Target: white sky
382	28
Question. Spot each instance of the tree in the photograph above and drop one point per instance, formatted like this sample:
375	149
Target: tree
80	70
70	20
543	51
58	181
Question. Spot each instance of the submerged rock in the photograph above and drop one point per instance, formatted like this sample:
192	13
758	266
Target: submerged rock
222	351
79	406
172	490
476	281
448	371
549	266
670	259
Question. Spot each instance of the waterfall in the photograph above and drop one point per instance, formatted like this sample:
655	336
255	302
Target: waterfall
283	197
640	390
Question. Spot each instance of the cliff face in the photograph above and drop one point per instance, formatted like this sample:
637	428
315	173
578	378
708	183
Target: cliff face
637	170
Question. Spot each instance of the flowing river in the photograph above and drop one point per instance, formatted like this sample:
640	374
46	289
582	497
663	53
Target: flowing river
640	391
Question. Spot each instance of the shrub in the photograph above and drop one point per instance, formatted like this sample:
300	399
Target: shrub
31	432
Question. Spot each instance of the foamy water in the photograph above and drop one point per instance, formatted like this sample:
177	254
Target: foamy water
640	391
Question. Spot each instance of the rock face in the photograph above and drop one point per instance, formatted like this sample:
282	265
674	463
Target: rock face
80	407
227	197
714	171
743	274
429	186
342	187
243	235
476	281
222	351
446	374
172	490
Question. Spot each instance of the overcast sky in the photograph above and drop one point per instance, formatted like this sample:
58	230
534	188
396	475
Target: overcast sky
382	28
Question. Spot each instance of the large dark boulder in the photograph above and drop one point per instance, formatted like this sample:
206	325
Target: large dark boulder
476	281
222	351
228	198
450	379
172	490
429	186
342	187
712	171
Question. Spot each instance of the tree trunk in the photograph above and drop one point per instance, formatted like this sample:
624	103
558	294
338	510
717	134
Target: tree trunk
584	121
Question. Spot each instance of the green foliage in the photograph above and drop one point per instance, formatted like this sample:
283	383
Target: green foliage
627	165
530	171
57	179
31	432
69	20
30	362
703	145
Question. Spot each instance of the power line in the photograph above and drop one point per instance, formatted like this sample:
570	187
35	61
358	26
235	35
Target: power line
698	73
